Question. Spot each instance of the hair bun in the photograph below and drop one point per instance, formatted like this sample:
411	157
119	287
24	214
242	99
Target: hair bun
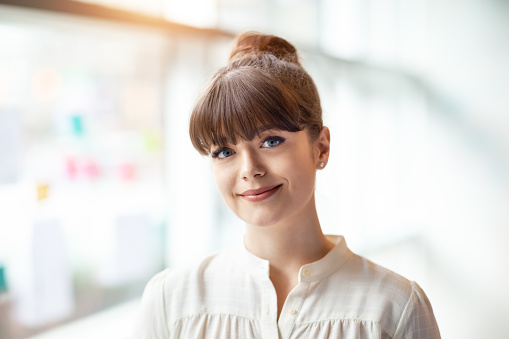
250	44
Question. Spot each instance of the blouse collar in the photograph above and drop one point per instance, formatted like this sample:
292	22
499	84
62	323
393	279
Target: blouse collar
314	271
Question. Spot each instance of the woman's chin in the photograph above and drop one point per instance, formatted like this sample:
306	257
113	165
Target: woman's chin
261	221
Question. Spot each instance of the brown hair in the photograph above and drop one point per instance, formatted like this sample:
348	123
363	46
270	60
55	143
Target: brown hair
263	87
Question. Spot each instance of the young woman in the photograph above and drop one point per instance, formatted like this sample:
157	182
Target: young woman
260	121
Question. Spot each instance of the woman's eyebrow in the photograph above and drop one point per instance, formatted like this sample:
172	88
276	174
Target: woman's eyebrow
216	147
263	129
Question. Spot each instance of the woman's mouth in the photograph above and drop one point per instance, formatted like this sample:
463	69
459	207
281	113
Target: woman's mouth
260	194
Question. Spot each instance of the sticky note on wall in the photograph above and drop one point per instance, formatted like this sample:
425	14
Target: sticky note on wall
77	125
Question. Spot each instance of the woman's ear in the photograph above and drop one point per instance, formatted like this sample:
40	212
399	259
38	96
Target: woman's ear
323	144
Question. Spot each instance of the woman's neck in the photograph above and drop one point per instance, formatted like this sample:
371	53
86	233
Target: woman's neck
291	243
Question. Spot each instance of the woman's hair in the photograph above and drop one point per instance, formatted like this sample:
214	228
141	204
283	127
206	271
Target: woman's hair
263	87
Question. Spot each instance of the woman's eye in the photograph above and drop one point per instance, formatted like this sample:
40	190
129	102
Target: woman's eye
223	153
272	141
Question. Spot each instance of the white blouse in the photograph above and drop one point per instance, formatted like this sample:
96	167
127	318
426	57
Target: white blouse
230	295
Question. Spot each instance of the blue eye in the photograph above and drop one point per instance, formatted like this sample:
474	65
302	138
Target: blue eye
272	141
222	153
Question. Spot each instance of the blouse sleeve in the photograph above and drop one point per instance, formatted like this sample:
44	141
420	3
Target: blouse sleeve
417	320
151	322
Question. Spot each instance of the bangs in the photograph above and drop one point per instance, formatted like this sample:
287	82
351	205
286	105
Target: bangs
241	103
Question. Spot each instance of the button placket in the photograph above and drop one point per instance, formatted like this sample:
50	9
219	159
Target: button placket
270	328
291	309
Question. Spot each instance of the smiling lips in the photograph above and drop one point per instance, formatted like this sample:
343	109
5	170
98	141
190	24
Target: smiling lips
260	193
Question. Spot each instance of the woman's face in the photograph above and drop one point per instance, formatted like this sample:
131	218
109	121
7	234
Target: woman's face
270	179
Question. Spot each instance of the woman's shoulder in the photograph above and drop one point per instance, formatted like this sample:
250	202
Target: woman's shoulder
185	273
190	283
174	293
362	274
402	302
380	286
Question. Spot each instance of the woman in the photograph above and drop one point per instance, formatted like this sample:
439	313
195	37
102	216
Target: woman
260	121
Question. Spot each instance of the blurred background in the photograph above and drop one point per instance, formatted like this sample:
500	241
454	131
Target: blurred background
100	187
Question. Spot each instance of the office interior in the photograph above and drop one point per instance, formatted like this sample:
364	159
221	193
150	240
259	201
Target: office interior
100	187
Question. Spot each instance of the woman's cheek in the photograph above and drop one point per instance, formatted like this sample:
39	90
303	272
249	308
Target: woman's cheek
225	181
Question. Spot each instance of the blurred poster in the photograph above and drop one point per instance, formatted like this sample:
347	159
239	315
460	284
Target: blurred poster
10	145
45	293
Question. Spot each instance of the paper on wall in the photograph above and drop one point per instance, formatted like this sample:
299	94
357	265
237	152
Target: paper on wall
46	293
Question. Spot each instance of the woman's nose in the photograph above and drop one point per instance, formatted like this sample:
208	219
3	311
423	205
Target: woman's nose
252	167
